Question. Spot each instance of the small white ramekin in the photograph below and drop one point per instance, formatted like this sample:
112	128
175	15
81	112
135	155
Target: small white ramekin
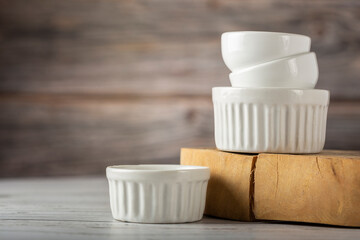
299	71
270	120
157	193
245	49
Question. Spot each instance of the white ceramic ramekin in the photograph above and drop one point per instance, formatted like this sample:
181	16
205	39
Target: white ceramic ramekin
157	193
245	49
270	120
299	71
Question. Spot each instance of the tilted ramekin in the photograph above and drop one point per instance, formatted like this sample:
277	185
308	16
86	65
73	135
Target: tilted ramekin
249	48
157	193
270	120
299	71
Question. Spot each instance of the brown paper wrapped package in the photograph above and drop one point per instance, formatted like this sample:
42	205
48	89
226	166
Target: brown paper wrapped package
318	188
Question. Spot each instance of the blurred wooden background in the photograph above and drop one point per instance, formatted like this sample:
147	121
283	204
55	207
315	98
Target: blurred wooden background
89	83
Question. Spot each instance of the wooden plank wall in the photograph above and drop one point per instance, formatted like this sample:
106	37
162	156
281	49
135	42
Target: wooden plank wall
89	83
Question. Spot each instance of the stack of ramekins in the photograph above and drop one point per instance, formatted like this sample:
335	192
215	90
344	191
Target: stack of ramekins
272	105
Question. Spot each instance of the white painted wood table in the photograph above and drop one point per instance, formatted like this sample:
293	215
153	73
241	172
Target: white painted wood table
78	208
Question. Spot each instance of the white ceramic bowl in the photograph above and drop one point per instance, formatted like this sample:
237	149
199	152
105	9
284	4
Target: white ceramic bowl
299	71
245	49
157	193
270	120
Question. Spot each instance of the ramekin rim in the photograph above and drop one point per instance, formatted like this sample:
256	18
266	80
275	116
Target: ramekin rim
130	169
267	32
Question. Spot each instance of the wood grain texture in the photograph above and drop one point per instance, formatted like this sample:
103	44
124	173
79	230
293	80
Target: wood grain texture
102	46
321	188
229	186
87	83
314	188
67	135
78	208
44	135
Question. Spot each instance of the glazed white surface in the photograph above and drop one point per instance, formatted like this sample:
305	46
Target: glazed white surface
270	120
269	59
245	49
270	95
299	71
157	193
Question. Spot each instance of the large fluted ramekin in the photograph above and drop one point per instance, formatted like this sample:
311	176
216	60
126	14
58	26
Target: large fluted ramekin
270	120
157	193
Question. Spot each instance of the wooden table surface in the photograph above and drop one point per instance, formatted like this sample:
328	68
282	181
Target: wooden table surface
78	208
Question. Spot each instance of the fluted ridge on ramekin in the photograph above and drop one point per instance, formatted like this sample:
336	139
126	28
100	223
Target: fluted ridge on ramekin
261	127
157	202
